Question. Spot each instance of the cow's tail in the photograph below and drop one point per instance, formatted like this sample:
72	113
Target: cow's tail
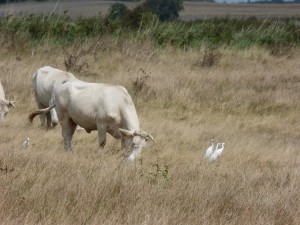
40	111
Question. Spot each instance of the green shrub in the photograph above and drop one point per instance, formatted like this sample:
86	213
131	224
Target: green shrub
117	11
143	25
166	10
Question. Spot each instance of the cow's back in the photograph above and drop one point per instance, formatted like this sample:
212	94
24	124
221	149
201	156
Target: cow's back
44	80
86	103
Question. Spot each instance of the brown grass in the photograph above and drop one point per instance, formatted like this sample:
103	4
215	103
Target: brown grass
247	99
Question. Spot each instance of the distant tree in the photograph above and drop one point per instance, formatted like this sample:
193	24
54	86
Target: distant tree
139	17
117	11
166	10
10	1
201	1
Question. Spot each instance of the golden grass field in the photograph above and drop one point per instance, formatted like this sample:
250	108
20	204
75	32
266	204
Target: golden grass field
248	99
192	10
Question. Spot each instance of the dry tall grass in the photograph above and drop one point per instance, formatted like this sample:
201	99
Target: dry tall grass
247	99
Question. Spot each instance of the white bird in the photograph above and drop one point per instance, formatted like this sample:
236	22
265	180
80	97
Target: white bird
220	150
210	149
26	143
214	156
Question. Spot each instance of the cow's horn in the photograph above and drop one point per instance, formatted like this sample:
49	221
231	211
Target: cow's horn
150	137
12	103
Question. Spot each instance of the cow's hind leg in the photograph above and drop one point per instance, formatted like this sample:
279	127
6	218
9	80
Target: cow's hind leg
48	115
40	106
54	118
68	129
42	116
101	134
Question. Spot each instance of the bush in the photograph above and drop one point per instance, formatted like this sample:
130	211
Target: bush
166	10
133	18
143	25
117	11
139	17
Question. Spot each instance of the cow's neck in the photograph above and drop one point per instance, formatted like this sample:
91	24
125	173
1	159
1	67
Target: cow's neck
130	120
132	125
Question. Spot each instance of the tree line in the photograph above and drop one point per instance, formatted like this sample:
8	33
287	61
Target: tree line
272	1
249	1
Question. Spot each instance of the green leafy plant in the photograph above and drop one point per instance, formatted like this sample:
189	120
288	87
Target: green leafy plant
166	10
117	11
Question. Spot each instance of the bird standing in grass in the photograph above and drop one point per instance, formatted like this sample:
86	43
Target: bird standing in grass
26	143
220	150
210	149
214	155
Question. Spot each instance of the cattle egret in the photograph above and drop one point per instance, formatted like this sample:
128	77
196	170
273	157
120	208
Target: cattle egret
214	156
220	150
25	143
209	150
97	106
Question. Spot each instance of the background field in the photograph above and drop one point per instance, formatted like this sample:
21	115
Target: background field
248	99
192	10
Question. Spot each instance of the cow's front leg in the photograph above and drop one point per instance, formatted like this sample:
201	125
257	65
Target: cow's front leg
101	135
68	129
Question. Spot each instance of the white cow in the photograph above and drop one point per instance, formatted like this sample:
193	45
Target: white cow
4	104
43	83
98	106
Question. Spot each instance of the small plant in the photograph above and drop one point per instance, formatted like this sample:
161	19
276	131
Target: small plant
166	10
73	60
155	173
6	169
117	11
140	171
140	82
210	58
280	48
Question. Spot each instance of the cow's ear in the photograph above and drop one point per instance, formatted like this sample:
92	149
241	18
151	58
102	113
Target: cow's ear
125	133
11	104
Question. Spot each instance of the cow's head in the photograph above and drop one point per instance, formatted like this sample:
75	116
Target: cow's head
134	141
4	108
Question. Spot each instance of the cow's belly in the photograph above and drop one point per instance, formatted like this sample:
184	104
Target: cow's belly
83	119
